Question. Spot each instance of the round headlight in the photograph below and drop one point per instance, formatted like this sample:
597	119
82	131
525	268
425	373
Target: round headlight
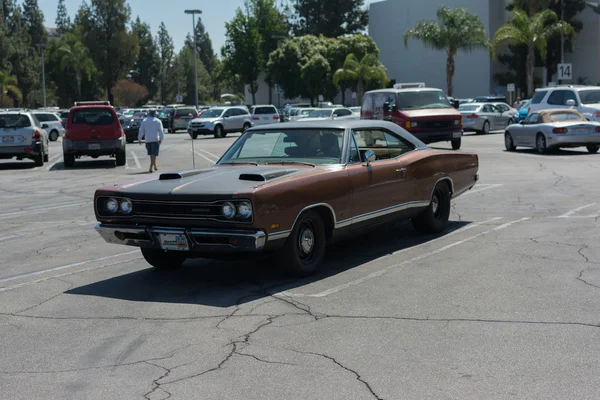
228	210
112	205
126	206
244	209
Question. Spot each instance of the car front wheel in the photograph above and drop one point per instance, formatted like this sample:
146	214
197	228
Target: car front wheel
435	217
218	132
53	136
508	142
593	149
456	144
304	249
164	260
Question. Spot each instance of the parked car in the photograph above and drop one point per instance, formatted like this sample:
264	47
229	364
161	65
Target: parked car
55	128
263	115
523	111
288	189
355	110
329	113
131	127
220	121
181	118
548	130
23	136
585	99
486	117
490	99
424	112
300	113
94	130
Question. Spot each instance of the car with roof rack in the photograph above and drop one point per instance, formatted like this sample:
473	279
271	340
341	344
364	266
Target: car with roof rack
23	136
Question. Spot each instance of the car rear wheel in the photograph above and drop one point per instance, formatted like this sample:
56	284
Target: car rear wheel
218	132
163	260
486	128
53	136
508	142
39	160
121	158
304	249
194	136
68	160
46	157
246	127
456	143
540	144
510	121
435	217
593	148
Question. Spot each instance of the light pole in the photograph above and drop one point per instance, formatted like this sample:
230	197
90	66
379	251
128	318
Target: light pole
194	12
279	39
42	46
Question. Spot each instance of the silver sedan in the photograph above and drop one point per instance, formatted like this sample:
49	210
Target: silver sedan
485	117
548	130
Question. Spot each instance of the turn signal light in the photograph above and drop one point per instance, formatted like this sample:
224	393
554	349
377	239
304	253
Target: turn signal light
473	116
559	130
37	134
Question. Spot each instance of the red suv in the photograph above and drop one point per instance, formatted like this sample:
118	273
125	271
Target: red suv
424	112
93	129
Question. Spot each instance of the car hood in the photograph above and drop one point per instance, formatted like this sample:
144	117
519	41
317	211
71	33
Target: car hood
207	184
429	112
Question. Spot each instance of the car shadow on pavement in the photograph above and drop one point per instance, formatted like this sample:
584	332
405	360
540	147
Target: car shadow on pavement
86	164
17	165
226	284
561	152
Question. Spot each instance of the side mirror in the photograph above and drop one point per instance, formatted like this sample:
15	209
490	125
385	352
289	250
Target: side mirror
571	103
386	107
44	126
370	157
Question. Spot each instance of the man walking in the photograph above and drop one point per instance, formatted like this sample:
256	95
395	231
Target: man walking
151	129
518	104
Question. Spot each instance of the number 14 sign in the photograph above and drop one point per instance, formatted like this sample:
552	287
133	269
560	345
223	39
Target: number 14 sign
565	71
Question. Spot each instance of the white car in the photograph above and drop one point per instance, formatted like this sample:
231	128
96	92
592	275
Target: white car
355	110
486	117
219	121
264	115
329	113
55	127
300	113
585	99
23	136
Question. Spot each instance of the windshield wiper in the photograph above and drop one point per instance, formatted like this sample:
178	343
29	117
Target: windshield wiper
240	162
291	162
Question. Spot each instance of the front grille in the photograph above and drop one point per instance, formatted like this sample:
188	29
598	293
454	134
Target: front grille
197	124
189	210
441	124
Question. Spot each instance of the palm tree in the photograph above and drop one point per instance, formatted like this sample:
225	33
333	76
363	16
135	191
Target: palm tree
456	29
75	57
369	69
532	31
8	84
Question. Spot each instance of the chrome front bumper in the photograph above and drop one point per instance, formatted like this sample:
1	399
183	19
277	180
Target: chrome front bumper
200	240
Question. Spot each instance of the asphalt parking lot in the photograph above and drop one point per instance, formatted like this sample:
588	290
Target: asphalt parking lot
503	305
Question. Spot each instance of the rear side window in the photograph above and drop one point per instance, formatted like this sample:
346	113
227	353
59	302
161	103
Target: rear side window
46	117
241	111
184	112
14	121
93	116
264	110
538	96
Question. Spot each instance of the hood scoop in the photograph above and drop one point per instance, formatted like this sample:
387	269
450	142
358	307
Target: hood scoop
266	175
179	175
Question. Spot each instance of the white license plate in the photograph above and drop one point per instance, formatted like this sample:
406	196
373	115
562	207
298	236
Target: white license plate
169	241
94	146
456	134
8	139
266	118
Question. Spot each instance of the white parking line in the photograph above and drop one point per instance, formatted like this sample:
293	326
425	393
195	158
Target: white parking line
484	187
8	237
569	214
54	160
136	160
38	210
376	274
205	157
209	153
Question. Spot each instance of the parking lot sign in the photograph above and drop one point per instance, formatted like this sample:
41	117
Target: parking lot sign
179	98
565	71
510	87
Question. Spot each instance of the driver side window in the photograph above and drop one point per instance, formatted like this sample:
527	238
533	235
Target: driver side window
383	144
228	113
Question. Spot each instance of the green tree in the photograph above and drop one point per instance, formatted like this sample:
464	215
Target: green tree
63	21
166	52
185	64
367	69
456	29
113	48
74	57
241	52
8	85
33	18
534	32
147	66
329	18
204	46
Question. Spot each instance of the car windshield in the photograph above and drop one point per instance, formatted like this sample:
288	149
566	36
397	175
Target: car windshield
422	99
590	96
212	113
287	146
93	116
320	113
565	116
468	107
14	121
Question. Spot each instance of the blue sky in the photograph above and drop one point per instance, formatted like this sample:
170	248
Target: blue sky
214	15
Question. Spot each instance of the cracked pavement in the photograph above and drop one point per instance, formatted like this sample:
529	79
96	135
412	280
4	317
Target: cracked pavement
504	305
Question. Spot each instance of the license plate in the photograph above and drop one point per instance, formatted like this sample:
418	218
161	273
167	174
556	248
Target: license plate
456	134
169	241
266	118
8	139
94	146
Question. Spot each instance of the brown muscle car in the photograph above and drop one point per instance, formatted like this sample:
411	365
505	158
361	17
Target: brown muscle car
287	189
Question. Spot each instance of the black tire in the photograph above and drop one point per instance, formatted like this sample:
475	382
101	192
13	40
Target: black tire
510	122
304	249
593	149
68	160
194	136
121	158
508	142
435	217
53	136
46	157
456	143
164	260
39	160
246	127
218	132
486	128
540	144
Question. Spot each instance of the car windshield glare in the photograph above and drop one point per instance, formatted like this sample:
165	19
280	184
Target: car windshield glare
590	96
213	113
320	113
422	99
305	145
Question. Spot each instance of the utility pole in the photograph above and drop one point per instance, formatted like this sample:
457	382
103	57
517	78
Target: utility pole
194	12
41	47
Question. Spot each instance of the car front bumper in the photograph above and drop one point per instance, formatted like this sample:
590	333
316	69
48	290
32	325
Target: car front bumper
438	136
215	241
574	140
